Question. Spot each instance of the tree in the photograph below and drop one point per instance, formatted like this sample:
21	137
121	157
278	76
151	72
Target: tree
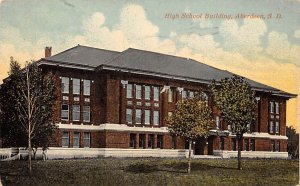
192	119
32	101
293	142
237	103
12	134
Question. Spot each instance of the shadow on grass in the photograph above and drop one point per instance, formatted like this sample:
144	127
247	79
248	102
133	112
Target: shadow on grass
175	167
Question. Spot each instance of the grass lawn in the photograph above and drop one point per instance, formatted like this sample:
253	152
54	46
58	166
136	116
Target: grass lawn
151	171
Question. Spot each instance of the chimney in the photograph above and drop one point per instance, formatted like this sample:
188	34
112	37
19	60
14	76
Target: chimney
48	51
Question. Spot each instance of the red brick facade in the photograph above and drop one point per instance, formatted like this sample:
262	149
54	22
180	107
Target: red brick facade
108	104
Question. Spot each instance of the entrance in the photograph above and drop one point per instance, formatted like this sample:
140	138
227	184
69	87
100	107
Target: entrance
204	146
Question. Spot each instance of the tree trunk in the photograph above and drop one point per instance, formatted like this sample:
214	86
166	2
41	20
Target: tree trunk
190	153
240	141
29	155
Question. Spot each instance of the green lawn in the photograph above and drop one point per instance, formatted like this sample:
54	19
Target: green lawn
151	171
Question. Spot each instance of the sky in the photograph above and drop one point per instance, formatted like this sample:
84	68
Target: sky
259	40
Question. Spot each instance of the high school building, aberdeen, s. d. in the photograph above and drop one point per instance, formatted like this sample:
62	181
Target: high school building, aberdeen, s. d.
116	104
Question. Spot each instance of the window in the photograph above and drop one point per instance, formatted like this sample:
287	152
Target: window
156	93
217	122
173	142
273	145
278	146
246	144
277	107
271	126
76	112
86	114
86	87
170	95
65	85
147	92
76	86
159	141
147	116
271	107
76	139
65	139
252	144
138	116
233	144
151	141
277	127
205	95
129	91
142	141
156	117
138	94
184	94
274	118
65	112
128	115
248	127
87	139
222	143
191	94
132	140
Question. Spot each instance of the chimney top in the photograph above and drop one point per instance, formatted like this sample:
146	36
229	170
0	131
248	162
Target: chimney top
48	51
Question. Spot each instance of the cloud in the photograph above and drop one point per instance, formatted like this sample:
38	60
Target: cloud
244	39
297	33
133	30
280	48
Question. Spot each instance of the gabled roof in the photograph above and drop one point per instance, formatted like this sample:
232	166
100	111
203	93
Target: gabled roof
148	63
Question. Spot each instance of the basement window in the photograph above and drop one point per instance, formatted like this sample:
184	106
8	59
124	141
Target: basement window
87	139
65	139
76	139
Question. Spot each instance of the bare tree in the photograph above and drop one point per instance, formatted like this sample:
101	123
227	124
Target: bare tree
33	96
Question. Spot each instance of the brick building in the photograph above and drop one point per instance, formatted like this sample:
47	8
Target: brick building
119	101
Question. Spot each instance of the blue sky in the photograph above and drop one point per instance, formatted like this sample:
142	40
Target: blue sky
265	50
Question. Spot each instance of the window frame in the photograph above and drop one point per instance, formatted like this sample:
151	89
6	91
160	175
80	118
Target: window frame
154	116
65	138
75	85
147	92
76	138
84	112
75	112
147	118
129	90
63	85
170	95
127	114
85	140
86	88
155	93
68	111
138	92
138	112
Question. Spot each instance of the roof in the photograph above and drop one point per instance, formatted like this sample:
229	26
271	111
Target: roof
149	63
83	55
